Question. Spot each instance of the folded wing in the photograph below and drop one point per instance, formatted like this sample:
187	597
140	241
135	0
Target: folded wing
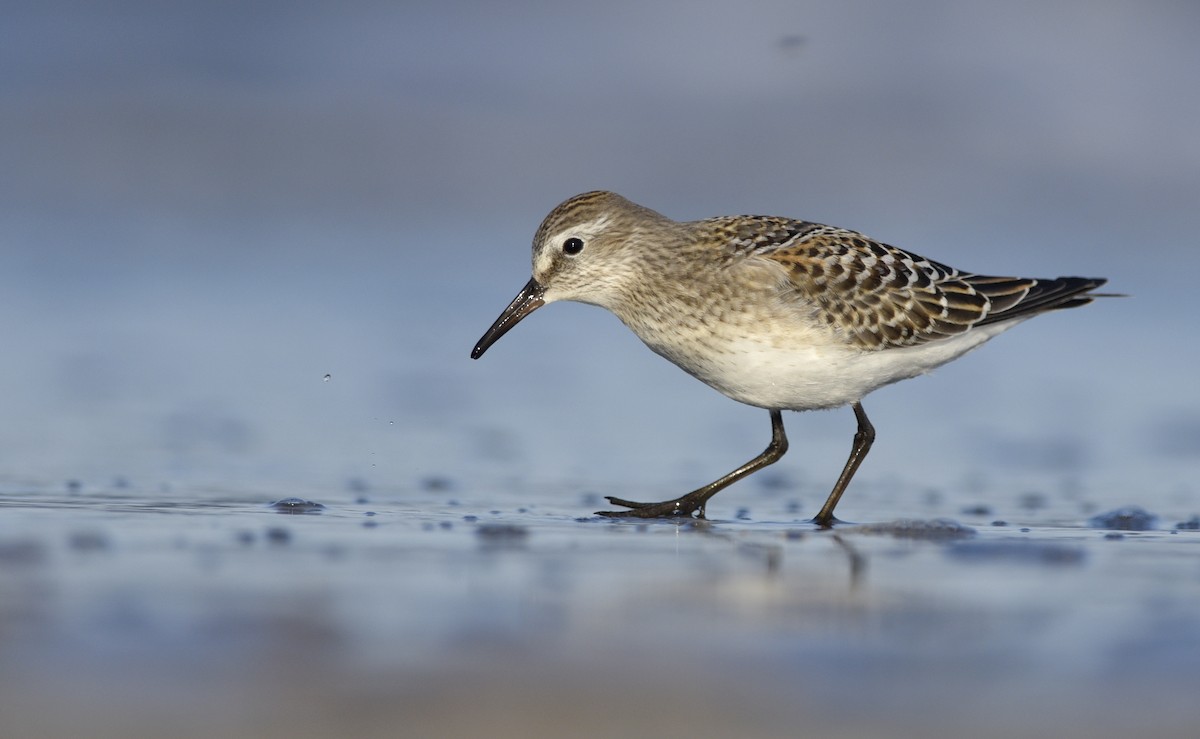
883	297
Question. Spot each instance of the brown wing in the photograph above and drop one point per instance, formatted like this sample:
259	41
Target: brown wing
884	297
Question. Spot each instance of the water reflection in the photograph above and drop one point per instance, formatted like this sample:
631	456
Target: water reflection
206	585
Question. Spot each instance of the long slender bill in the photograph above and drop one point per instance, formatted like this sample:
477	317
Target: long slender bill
526	302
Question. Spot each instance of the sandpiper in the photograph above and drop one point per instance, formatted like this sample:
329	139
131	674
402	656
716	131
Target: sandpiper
777	313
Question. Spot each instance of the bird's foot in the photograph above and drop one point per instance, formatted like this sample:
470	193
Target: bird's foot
825	522
678	508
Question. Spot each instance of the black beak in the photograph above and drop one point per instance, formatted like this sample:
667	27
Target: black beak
526	302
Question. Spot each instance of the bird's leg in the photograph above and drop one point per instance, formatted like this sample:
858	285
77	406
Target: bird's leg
862	444
693	503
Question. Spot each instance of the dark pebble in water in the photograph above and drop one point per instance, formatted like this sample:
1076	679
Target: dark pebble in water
361	500
1129	518
502	532
446	525
977	510
74	486
794	535
278	535
370	524
369	513
245	537
1113	535
1023	551
87	541
470	518
938	529
296	505
743	514
1192	524
999	523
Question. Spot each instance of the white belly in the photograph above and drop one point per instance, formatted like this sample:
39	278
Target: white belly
807	377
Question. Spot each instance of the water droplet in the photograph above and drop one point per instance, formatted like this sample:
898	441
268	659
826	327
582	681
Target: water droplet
327	377
297	505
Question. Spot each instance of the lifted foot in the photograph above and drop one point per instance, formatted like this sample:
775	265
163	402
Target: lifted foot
692	504
678	508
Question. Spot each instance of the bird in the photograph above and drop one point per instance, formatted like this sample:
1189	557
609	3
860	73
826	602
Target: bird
777	313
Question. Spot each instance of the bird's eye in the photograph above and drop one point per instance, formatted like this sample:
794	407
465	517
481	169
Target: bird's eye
572	246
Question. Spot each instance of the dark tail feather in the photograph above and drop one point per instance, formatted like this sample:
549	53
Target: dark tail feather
1043	295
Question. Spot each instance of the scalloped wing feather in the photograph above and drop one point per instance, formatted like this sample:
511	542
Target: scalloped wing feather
880	296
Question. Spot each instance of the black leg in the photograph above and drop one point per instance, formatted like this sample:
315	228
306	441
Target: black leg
693	503
862	444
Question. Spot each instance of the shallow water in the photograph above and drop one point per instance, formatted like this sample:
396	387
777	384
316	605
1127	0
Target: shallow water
516	613
244	253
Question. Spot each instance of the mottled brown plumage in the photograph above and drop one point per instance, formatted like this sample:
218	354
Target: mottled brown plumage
778	313
879	296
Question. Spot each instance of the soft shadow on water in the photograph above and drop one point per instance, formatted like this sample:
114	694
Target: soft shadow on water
445	611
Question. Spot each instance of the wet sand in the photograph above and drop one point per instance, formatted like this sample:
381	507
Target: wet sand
454	612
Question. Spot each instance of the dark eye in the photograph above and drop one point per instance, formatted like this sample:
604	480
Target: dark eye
572	246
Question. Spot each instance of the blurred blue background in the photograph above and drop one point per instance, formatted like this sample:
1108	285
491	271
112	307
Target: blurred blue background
208	207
